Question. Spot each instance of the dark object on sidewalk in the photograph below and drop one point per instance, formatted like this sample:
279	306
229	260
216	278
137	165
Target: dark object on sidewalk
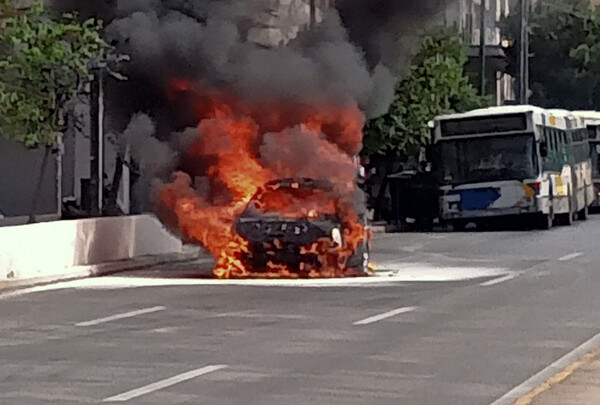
415	203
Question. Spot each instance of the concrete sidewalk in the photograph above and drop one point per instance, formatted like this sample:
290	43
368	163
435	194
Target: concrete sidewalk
578	384
189	253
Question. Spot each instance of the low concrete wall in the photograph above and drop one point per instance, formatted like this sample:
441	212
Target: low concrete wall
57	248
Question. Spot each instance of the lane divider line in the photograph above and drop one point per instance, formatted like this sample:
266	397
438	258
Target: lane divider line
124	315
499	280
385	315
550	375
570	257
159	385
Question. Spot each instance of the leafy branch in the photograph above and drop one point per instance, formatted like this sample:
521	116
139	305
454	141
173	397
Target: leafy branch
44	60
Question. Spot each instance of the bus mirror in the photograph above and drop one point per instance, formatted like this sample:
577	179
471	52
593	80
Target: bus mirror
544	149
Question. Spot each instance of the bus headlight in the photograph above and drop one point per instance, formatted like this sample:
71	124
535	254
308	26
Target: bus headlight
336	236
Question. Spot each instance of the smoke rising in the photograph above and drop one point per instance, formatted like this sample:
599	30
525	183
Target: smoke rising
349	59
388	30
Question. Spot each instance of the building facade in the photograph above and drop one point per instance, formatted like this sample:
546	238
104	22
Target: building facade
465	15
282	20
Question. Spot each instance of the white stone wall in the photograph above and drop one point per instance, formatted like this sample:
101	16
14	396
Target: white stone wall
59	248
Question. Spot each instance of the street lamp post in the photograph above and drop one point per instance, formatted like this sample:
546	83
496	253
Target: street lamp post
101	71
524	53
482	43
97	142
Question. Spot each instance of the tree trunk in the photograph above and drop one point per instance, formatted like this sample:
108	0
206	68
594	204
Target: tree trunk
38	187
113	194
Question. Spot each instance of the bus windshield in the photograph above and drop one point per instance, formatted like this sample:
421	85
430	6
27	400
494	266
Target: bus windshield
478	160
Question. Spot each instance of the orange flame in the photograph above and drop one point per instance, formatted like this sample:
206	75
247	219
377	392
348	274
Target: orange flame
230	133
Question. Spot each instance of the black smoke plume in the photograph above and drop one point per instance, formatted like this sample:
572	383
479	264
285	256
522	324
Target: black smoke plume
349	58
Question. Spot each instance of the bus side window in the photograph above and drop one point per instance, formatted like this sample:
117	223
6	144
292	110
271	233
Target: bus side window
554	154
565	147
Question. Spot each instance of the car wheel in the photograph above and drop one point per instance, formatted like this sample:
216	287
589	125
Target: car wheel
358	263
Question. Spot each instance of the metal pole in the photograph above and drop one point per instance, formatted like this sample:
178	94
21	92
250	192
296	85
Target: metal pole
523	53
482	43
526	35
96	143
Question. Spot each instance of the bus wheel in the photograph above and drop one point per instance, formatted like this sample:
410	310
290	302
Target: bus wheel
567	219
544	221
582	215
458	225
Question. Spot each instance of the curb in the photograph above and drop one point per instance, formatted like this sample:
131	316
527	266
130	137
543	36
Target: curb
558	378
105	269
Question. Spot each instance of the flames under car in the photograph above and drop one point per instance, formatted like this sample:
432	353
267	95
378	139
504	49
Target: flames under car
289	222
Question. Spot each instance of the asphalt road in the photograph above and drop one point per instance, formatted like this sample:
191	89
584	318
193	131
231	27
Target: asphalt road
460	319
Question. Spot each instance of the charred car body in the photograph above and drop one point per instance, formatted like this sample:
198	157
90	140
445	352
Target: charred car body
286	217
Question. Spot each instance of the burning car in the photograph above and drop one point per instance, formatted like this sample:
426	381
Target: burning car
295	225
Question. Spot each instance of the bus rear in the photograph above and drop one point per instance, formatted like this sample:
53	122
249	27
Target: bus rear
591	120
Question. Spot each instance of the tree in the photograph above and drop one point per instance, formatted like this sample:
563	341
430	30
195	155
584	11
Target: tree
44	60
564	53
435	84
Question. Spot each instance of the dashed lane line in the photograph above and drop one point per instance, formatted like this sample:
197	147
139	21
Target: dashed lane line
159	385
499	280
124	315
570	257
385	315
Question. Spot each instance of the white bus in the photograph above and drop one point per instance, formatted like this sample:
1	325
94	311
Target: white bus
512	161
591	120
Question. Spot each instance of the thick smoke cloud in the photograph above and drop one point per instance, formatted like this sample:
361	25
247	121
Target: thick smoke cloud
348	59
388	30
206	40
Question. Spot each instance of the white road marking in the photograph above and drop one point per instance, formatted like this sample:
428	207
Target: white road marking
423	272
412	248
499	280
383	316
559	365
164	383
570	257
388	274
251	315
121	316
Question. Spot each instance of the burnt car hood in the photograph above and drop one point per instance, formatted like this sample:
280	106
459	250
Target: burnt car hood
264	228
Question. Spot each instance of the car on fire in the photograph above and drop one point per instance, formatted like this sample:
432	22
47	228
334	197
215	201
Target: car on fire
292	223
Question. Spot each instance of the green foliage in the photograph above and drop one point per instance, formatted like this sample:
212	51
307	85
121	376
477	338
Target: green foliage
565	48
44	59
435	84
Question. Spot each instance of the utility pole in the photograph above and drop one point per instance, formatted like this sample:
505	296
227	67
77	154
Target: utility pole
313	13
524	53
482	43
95	189
96	142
